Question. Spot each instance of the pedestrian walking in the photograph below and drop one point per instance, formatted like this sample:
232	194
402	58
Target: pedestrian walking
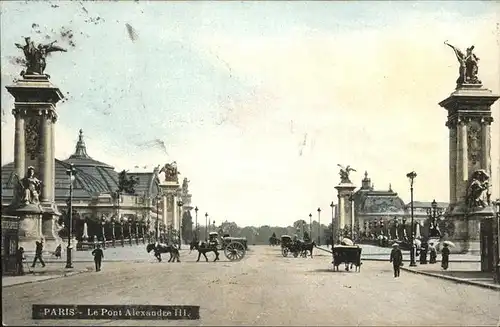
432	253
396	259
445	253
38	253
98	256
20	261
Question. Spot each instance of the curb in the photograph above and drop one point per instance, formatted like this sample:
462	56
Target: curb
407	260
454	279
68	274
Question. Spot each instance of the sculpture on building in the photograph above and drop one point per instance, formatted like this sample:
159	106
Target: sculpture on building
36	56
185	186
468	68
344	173
171	172
28	189
478	192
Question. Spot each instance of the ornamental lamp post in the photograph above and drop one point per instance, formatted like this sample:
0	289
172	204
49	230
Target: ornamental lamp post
310	221
148	225
433	213
113	235
333	227
71	172
136	223
206	226
310	226
214	226
122	236
157	216
411	176
129	223
319	227
103	223
196	223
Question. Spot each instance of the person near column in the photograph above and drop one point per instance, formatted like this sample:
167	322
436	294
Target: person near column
19	261
396	259
423	253
445	253
432	253
98	256
38	253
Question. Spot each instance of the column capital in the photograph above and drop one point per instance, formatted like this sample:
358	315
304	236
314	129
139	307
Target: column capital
486	120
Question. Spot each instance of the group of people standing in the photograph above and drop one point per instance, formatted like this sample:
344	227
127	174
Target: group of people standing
396	257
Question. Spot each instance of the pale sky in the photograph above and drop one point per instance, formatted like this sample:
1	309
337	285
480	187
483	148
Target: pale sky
259	101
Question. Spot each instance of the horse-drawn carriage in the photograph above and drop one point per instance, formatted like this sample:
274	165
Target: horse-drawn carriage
234	247
348	254
296	248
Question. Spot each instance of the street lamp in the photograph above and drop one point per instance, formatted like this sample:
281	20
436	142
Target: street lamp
157	216
411	176
71	172
129	223
196	222
206	226
434	212
148	224
180	204
310	226
319	227
136	223
333	228
310	220
113	235
122	222
103	222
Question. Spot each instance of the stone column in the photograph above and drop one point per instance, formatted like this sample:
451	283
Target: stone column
164	208
19	144
44	157
341	212
462	171
486	145
453	146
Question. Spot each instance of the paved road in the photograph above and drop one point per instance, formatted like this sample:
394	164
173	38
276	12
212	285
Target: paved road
263	289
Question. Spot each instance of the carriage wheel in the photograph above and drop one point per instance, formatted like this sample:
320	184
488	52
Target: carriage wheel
284	251
234	251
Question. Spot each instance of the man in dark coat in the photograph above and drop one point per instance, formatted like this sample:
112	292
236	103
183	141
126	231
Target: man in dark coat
396	259
98	256
38	253
20	261
445	252
423	253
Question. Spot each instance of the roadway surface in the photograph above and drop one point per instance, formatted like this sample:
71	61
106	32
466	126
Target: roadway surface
262	289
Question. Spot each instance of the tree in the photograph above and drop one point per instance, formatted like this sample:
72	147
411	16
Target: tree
187	226
230	228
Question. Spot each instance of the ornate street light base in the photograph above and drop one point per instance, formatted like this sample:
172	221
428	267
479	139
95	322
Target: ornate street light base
69	263
412	256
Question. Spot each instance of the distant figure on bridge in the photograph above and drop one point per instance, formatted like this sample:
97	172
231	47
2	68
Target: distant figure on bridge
38	253
98	256
396	259
432	253
20	260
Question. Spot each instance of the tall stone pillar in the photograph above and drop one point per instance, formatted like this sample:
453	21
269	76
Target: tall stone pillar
345	208
169	189
35	116
469	119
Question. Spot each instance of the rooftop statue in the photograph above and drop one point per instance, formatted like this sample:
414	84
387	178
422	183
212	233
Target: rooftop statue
344	173
171	172
185	186
467	73
35	56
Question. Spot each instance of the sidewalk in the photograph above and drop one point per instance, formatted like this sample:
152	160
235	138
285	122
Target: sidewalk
50	271
458	272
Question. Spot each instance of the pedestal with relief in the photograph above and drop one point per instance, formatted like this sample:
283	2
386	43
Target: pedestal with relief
35	118
345	210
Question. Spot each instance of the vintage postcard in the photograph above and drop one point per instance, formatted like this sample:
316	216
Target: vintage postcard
240	163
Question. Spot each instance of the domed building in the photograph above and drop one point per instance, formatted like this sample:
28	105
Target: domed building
95	196
384	212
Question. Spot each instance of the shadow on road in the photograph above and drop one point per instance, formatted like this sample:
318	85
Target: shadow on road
328	270
477	275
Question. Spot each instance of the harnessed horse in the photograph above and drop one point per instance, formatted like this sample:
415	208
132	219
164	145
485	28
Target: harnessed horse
163	248
204	248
